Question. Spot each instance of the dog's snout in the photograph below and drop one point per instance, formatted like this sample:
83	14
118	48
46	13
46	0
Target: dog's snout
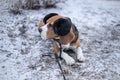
40	30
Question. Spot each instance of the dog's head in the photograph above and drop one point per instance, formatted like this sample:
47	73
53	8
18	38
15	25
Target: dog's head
55	26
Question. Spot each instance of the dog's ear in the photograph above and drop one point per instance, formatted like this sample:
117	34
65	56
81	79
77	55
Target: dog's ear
62	27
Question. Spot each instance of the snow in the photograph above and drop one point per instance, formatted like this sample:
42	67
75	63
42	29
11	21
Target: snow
22	55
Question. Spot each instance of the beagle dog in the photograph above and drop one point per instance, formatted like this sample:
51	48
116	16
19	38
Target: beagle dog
57	27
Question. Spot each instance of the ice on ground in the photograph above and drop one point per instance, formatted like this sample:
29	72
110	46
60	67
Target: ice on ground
24	56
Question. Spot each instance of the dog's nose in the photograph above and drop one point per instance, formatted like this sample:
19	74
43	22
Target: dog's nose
40	30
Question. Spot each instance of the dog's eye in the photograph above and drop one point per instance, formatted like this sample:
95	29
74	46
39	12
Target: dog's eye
50	25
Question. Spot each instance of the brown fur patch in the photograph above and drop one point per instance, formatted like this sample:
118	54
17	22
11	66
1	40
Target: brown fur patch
67	38
56	48
41	23
50	33
77	43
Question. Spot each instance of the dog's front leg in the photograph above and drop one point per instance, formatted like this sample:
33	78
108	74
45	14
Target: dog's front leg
80	56
69	60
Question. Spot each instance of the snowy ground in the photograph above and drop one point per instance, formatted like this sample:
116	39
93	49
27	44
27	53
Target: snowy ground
22	50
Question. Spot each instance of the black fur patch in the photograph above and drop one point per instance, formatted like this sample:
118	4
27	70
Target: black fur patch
62	26
49	16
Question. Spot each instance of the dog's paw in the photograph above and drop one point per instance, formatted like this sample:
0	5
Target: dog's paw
70	61
81	58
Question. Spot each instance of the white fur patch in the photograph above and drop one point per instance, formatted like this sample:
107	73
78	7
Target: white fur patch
73	48
68	59
44	32
80	56
66	46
